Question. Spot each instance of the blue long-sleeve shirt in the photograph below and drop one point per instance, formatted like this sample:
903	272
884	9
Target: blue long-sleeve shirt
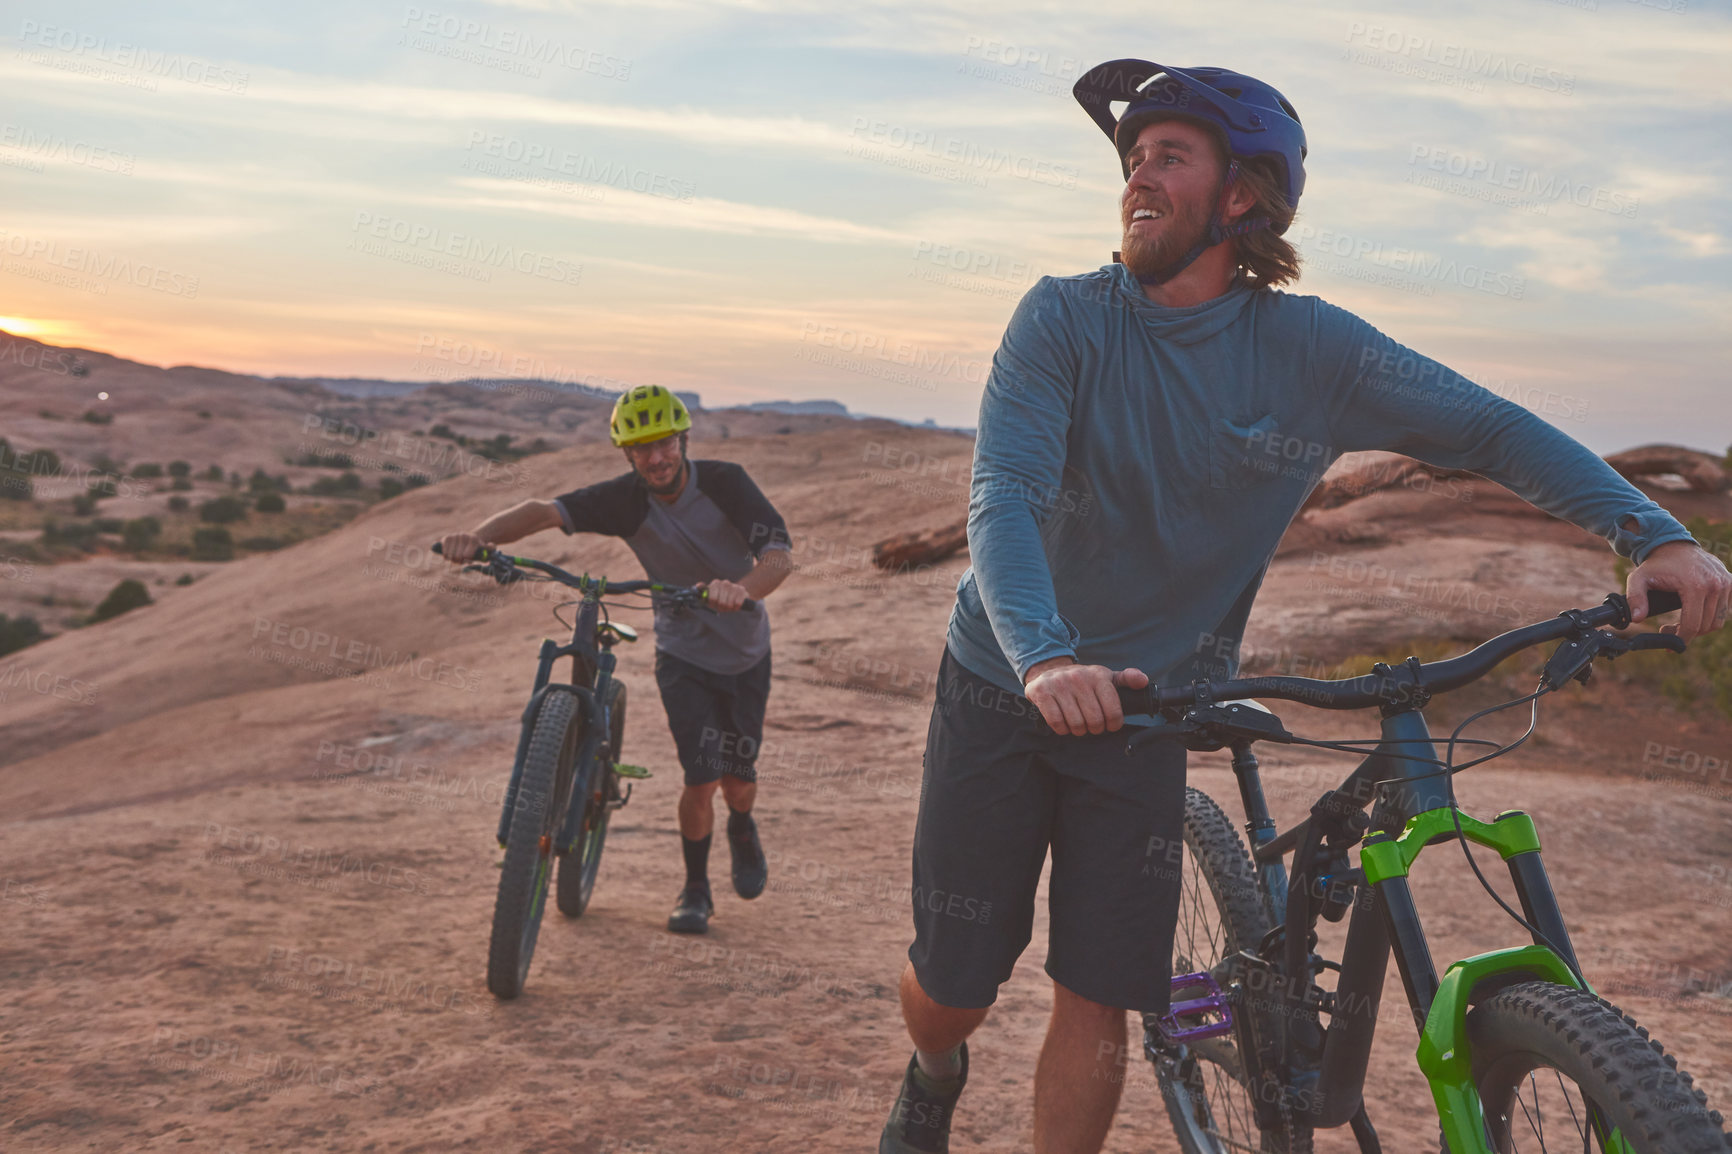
1136	466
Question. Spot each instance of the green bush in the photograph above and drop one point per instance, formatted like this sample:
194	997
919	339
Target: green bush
212	544
108	525
123	598
83	504
181	484
336	486
222	510
18	632
184	579
97	418
214	473
147	470
390	487
81	534
270	503
179	469
103	487
140	533
416	480
178	504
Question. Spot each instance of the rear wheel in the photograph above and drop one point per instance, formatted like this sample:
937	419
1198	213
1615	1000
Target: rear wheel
1221	911
1561	1069
544	790
599	787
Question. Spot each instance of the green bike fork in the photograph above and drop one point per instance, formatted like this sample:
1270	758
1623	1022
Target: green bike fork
1441	1006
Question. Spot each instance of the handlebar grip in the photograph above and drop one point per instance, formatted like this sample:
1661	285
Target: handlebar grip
1144	700
485	553
1663	601
748	603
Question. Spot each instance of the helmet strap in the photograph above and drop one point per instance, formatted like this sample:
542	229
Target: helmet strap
1217	233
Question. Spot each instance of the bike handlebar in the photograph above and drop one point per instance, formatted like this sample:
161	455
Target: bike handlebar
487	555
1414	680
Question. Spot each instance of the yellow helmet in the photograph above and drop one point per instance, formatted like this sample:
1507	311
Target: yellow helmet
648	413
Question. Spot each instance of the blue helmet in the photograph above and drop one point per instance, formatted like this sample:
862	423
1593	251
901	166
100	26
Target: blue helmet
1256	122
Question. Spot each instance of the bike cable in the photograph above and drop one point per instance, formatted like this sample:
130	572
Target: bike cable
1455	812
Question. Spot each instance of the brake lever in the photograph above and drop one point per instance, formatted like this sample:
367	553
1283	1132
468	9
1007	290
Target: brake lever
1618	646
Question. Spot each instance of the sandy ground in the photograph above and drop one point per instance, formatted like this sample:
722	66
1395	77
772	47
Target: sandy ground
246	886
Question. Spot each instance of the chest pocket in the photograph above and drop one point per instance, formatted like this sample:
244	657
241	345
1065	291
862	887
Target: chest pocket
1239	456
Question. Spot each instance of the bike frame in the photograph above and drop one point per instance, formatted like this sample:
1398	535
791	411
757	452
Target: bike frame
1285	1044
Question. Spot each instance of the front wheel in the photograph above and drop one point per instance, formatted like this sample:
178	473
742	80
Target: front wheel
1561	1069
598	789
544	789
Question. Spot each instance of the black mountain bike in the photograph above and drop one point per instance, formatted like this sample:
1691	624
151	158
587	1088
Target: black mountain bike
1520	1054
565	777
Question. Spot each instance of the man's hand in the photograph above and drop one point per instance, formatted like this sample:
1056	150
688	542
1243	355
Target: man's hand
724	596
459	548
1696	575
1077	699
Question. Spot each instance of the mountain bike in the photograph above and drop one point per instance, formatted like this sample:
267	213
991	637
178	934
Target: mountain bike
565	776
1255	1055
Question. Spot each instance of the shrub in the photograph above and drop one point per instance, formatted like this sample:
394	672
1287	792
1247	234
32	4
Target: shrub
147	469
222	510
326	460
140	533
177	504
205	413
179	469
184	579
18	632
333	486
79	534
181	484
212	544
416	480
270	503
105	487
83	504
108	525
97	418
123	598
214	473
390	487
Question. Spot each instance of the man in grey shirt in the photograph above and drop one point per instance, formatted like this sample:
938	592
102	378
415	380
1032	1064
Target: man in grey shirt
690	523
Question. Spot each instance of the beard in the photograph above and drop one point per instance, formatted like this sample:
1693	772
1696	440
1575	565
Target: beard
673	486
1185	229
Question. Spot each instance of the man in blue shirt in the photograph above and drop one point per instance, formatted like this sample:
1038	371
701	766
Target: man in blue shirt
1132	479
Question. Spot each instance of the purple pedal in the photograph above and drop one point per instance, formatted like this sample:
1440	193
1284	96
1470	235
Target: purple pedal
1213	1001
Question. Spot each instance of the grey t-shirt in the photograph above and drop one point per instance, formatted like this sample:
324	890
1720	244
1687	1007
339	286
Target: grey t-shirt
717	527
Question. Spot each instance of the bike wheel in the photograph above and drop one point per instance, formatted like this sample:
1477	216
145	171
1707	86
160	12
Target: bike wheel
544	790
1542	1052
597	789
1221	911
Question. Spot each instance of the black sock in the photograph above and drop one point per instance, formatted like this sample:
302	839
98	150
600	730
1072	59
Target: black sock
740	822
697	861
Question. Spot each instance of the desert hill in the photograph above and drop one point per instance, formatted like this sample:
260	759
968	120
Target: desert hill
186	787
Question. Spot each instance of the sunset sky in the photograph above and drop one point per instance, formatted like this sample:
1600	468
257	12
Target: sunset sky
781	199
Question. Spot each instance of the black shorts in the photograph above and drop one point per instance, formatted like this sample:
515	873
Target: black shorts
717	719
1000	788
